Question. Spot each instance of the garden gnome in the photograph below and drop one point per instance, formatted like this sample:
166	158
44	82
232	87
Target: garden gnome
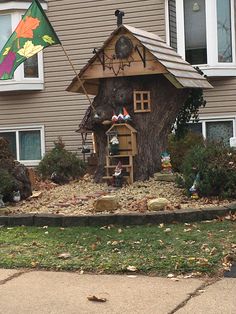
126	115
114	118
1	201
165	163
120	117
193	189
117	176
16	196
114	145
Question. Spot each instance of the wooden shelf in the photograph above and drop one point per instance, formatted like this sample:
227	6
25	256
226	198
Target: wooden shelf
123	166
127	149
117	156
110	177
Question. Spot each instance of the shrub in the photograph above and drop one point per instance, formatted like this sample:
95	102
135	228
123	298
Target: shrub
216	165
179	148
66	165
7	184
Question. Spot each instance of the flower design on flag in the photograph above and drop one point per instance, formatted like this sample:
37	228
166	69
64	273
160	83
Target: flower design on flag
6	51
7	64
48	39
26	27
29	49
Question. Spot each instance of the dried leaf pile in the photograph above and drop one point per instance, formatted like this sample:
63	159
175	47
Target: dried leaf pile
77	198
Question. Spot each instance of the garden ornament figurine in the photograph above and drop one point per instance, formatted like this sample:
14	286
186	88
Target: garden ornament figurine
126	115
114	146
114	118
165	163
1	201
120	117
118	176
194	187
16	196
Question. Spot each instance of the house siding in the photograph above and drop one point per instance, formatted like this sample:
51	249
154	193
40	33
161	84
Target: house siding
81	26
221	101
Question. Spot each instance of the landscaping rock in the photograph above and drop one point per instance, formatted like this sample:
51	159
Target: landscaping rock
167	177
157	204
106	203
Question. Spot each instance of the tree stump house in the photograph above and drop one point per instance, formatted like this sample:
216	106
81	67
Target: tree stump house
138	71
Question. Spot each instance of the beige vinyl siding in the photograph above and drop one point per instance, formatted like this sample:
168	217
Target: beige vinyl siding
221	101
81	26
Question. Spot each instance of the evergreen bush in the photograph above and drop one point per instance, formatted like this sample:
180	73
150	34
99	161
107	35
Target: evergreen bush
63	164
179	147
216	166
7	184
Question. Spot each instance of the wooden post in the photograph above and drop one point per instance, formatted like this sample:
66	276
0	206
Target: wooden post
79	79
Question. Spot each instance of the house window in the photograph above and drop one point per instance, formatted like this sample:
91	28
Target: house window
31	67
172	24
224	31
26	144
142	101
219	131
195	31
6	29
29	75
205	36
213	130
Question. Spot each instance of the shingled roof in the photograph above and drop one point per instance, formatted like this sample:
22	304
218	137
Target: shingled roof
179	72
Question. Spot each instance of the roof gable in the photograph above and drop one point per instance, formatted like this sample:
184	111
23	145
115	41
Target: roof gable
150	55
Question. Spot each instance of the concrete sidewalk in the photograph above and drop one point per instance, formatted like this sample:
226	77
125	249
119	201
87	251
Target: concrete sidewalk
33	292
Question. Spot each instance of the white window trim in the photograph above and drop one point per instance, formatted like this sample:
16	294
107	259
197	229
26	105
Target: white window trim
213	68
23	5
27	128
204	120
19	82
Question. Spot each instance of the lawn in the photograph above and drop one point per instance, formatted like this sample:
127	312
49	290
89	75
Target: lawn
201	248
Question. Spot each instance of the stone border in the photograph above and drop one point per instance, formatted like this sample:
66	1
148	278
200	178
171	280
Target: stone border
182	215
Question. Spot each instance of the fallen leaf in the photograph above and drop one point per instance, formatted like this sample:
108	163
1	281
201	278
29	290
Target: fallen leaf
170	275
167	230
187	230
93	246
96	299
131	268
64	255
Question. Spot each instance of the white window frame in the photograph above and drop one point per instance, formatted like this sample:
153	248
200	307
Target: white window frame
27	128
213	68
204	121
19	82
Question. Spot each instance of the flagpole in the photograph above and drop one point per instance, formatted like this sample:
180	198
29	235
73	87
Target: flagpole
79	79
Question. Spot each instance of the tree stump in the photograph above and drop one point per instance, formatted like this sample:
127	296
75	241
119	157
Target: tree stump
152	127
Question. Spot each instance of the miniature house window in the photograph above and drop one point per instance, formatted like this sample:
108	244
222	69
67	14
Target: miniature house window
142	101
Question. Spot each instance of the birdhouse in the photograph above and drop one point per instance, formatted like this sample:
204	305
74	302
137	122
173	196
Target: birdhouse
126	136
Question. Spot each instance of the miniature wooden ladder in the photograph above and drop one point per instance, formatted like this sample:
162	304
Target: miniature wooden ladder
127	166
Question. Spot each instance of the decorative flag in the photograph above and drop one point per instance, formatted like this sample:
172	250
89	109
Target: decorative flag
33	34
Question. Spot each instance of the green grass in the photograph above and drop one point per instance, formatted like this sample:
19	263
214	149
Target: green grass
199	247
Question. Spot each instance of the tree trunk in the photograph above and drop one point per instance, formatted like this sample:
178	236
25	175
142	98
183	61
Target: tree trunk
152	127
